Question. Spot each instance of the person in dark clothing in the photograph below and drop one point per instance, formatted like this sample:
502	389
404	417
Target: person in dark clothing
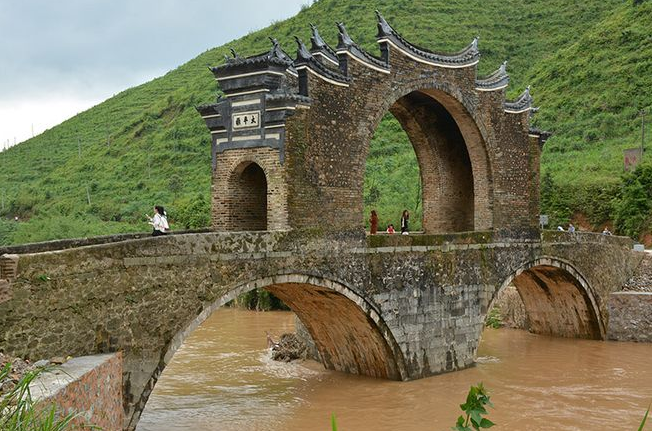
373	221
404	222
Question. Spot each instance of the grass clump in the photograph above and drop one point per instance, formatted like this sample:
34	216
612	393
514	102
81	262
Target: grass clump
20	412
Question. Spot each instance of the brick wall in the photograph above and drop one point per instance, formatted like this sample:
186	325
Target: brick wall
249	191
477	165
90	386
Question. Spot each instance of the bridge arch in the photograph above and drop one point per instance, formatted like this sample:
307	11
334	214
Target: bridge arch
348	331
558	299
451	151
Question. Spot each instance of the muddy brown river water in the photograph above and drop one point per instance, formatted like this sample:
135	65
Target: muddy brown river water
222	379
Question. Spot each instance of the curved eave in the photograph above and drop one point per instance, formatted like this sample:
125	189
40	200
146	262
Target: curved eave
469	56
455	61
495	81
517	110
540	135
364	58
210	110
491	85
326	56
319	73
520	105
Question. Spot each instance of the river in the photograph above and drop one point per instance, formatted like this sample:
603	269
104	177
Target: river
222	379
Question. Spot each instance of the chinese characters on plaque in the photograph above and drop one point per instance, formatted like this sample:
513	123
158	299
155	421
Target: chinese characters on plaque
246	120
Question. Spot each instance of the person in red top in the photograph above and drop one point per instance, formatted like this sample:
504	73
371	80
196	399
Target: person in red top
390	229
373	221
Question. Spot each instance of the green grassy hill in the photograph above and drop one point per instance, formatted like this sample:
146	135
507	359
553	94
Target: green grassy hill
589	63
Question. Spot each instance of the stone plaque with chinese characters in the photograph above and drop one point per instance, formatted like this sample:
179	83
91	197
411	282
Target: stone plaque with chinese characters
246	120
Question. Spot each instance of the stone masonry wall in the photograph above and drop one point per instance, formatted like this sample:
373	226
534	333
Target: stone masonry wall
630	316
327	151
230	197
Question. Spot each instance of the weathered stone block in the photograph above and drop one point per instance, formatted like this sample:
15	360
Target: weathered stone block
630	316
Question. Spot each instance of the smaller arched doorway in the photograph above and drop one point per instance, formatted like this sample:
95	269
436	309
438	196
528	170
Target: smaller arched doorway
248	197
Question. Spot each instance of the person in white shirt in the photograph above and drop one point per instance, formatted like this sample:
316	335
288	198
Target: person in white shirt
159	222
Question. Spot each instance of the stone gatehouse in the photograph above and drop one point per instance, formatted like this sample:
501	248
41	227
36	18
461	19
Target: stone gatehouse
291	136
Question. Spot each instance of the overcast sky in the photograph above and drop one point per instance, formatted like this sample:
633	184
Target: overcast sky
60	57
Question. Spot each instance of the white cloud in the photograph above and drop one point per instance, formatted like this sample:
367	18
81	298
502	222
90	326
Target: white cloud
63	57
18	119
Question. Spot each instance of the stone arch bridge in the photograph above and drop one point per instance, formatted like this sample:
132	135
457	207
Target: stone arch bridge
401	307
290	139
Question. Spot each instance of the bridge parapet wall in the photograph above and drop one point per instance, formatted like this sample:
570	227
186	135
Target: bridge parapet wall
552	236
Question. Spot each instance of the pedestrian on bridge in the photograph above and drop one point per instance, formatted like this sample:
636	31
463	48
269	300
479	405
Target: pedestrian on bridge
373	221
405	218
159	222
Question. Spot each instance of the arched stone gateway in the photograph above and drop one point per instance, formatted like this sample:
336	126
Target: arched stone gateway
453	161
348	331
312	118
558	299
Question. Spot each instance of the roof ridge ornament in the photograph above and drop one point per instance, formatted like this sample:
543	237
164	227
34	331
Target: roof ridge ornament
316	39
345	40
497	80
320	47
522	104
384	29
347	47
306	60
302	50
277	52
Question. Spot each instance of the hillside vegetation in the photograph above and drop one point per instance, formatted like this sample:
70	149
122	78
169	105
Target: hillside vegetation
589	64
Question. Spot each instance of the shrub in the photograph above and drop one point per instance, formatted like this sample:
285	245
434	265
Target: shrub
193	214
632	210
7	229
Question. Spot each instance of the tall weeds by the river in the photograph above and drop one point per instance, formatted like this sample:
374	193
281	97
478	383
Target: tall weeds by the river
20	412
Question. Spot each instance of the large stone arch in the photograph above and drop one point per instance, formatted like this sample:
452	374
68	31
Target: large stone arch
558	299
477	155
451	150
348	331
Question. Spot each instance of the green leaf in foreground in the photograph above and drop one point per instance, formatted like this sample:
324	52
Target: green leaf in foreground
474	407
333	422
644	418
